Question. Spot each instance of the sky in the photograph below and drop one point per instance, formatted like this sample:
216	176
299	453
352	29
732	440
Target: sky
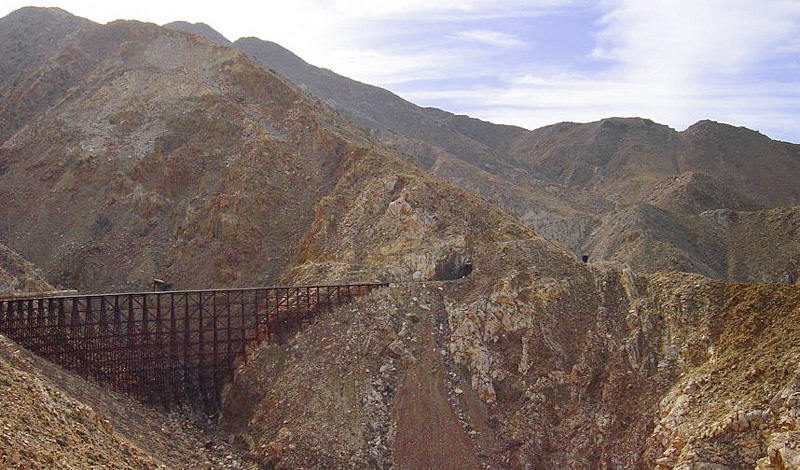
531	62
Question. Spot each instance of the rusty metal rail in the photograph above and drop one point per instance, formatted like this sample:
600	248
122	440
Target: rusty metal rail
165	347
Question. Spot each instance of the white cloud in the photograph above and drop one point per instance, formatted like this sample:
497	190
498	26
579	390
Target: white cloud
422	10
347	36
369	40
491	38
391	67
705	57
684	40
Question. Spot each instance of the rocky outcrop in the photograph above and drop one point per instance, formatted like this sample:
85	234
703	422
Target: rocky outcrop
542	371
733	409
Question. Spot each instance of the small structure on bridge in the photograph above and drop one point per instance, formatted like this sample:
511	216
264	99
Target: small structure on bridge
160	285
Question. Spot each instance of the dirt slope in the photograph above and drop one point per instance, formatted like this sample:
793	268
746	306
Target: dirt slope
53	419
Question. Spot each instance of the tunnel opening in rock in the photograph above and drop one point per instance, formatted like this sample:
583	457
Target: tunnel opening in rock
452	267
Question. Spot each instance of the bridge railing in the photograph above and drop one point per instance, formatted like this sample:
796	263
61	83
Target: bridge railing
165	347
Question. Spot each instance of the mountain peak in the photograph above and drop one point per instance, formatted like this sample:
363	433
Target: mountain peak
32	12
200	29
54	18
627	121
709	127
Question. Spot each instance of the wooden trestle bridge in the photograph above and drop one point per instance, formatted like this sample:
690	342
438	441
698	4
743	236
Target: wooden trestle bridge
165	347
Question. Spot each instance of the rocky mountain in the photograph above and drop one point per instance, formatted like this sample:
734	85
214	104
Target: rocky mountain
618	158
152	154
573	182
465	151
131	151
29	36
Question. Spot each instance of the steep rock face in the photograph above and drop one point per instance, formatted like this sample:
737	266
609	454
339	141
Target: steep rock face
388	220
391	393
732	405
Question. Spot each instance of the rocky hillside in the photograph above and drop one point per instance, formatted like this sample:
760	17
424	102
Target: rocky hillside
465	151
29	36
534	360
163	155
20	275
521	375
622	158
